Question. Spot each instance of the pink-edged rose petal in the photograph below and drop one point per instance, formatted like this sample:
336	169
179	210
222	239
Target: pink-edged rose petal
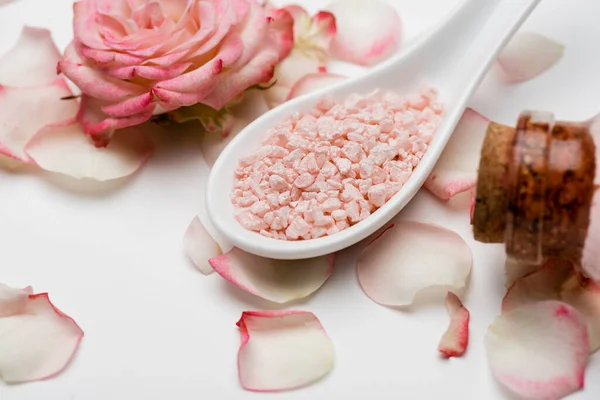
456	170
200	246
540	350
279	281
557	280
24	111
282	350
368	31
585	297
528	55
312	36
543	284
31	61
410	257
455	340
64	148
311	82
13	301
37	342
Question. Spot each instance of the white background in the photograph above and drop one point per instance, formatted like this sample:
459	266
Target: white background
155	328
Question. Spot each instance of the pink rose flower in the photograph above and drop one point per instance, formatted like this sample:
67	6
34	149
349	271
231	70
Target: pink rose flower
133	59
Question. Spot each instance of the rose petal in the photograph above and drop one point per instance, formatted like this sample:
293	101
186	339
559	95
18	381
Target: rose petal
279	281
585	297
557	280
282	350
24	111
543	284
92	82
311	82
267	50
31	61
367	31
13	301
312	36
292	69
65	148
200	246
37	343
409	257
539	351
456	338
100	126
456	170
529	54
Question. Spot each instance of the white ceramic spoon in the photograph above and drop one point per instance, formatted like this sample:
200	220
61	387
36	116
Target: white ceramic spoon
453	58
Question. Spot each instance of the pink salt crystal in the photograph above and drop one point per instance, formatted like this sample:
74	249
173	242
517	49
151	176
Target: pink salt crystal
325	103
365	209
355	137
322	197
350	193
418	102
377	194
341	225
260	208
269	217
255	156
333	184
247	201
386	125
273	199
353	151
382	153
318	232
307	125
320	159
276	225
298	227
278	183
332	230
364	185
324	221
343	164
366	168
295	194
284	199
339	215
311	163
309	195
266	233
330	205
352	210
304	180
379	175
251	221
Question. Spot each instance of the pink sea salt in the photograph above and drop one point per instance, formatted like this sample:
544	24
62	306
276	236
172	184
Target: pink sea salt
320	172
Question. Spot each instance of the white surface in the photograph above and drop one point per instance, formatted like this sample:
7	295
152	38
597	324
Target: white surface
453	59
156	328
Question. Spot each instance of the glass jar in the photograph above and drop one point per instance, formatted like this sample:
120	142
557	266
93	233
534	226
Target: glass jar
535	192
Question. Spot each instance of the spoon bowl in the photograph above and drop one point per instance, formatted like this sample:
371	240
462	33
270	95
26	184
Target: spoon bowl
453	58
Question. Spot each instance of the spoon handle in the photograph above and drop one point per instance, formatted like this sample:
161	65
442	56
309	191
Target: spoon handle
480	29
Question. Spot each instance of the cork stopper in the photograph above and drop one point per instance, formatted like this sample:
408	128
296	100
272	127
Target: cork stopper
489	214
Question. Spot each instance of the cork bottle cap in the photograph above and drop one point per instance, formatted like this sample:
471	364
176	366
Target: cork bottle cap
489	214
